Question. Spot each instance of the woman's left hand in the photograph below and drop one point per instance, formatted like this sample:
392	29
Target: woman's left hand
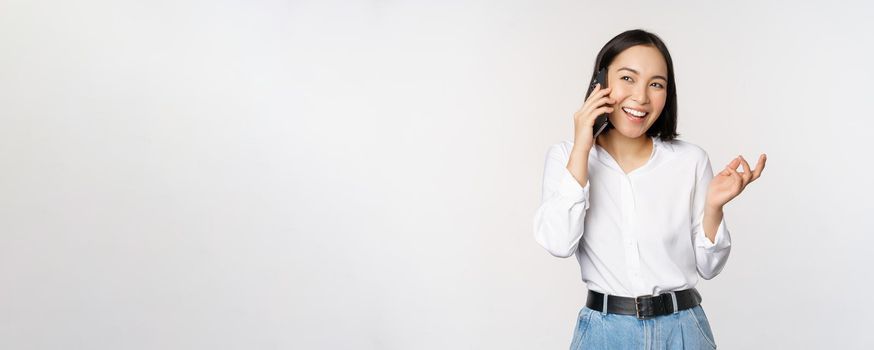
729	183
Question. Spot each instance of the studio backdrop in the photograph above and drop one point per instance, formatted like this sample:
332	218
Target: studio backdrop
364	174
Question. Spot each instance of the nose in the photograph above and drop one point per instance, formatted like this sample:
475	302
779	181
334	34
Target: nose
639	94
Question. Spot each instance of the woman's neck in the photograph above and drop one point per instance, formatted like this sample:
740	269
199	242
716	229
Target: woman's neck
623	148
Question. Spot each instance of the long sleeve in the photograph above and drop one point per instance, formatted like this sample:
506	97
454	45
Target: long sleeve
710	257
558	222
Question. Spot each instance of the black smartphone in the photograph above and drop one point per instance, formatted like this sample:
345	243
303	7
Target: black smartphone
602	122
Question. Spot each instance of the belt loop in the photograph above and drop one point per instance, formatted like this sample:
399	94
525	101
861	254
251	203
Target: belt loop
604	311
674	300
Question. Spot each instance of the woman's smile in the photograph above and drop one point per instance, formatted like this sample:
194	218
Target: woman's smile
634	115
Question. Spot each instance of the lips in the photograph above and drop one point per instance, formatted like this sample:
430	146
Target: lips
635	113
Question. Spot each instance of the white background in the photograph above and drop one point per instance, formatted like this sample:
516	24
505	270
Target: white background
363	175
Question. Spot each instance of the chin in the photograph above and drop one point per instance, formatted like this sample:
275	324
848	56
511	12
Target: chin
632	135
630	131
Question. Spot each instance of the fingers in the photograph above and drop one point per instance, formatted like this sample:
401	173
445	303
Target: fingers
760	165
733	173
595	105
596	99
725	171
747	174
600	102
734	163
601	110
598	93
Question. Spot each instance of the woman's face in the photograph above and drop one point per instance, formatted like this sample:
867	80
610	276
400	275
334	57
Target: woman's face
639	78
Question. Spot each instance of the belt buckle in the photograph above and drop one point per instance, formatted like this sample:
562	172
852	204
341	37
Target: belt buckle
637	306
637	301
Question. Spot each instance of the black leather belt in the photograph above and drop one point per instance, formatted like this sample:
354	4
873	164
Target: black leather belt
645	306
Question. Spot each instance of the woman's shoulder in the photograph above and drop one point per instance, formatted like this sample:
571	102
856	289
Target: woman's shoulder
559	151
685	148
562	147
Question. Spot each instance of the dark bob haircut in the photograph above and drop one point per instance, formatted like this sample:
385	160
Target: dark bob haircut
665	127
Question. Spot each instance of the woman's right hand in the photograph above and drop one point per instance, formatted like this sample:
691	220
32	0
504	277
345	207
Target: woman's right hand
584	119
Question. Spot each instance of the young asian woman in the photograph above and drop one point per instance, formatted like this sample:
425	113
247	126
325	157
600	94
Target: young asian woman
640	209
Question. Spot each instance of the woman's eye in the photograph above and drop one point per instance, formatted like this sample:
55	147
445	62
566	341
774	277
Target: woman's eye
623	78
658	85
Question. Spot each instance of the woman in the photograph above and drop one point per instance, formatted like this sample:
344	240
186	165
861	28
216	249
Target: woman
650	221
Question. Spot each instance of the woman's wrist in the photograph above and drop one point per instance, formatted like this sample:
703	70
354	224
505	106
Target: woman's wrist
580	152
578	165
713	209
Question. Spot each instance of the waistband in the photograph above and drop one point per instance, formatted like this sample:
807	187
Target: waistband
646	306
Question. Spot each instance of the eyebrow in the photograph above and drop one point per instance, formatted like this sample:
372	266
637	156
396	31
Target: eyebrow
636	72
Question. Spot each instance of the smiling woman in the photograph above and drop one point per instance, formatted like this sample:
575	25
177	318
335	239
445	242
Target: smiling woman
649	221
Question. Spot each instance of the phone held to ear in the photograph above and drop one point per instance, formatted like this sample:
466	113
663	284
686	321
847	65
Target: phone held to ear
602	121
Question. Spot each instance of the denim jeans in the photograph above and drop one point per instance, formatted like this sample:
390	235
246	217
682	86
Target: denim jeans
685	329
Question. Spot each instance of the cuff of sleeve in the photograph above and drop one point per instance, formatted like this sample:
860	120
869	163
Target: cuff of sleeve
569	187
721	241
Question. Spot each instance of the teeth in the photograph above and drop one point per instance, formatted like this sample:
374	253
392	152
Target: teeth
633	112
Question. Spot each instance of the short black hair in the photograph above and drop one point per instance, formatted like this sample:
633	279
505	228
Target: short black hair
665	126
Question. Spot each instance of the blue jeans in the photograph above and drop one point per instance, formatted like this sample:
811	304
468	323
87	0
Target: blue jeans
685	329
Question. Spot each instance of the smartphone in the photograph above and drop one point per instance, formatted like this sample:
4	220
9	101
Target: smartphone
602	121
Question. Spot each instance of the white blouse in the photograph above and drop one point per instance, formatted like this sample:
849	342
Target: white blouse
633	234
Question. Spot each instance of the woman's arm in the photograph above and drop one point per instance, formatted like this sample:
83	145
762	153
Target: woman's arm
558	222
727	185
710	235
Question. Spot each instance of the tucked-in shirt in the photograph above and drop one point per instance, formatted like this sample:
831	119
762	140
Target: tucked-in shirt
633	234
